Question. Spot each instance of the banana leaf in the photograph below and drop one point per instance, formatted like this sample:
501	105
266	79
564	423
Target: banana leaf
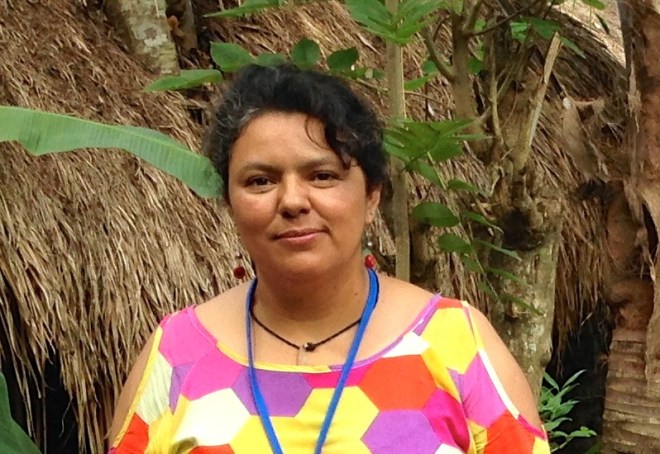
44	132
12	438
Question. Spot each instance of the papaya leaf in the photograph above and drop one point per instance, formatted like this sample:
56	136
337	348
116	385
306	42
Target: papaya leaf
435	214
449	242
187	78
342	60
230	57
44	132
305	54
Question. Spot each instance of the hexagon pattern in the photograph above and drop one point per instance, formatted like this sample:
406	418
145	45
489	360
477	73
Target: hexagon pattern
433	390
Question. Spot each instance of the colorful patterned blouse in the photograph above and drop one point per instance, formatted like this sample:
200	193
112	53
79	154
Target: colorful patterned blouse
431	391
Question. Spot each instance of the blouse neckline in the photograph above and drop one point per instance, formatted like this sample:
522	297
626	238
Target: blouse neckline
421	318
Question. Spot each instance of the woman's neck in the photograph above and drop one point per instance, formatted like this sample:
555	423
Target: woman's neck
325	302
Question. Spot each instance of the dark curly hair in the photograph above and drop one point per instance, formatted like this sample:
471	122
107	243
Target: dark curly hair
351	127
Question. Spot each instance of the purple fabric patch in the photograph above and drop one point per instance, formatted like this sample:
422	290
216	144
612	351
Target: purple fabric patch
405	431
458	381
179	374
284	392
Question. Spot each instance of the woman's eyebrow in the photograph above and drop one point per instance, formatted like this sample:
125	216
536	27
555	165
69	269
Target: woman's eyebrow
305	164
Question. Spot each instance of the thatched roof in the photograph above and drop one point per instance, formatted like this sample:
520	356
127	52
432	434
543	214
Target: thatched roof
95	247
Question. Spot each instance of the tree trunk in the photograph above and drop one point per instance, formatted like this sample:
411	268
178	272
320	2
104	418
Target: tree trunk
144	28
528	333
632	404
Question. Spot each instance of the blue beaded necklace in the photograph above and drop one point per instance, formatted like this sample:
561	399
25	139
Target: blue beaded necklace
258	397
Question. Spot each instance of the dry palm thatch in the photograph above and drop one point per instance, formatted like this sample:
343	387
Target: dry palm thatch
95	247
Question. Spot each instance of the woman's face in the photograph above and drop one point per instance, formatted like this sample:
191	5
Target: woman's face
298	210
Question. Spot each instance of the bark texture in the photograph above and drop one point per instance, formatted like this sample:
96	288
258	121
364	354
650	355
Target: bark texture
632	404
145	30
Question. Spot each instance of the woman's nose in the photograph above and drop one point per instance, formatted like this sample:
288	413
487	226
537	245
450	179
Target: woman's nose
293	197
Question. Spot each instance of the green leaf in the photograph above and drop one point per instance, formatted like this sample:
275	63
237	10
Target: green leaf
374	16
428	67
427	171
415	84
471	264
449	242
603	23
413	15
343	60
481	219
516	300
571	45
457	6
305	54
574	377
475	66
460	185
435	214
187	78
501	250
506	275
12	437
519	30
487	289
230	57
550	380
248	7
545	28
43	132
270	59
597	4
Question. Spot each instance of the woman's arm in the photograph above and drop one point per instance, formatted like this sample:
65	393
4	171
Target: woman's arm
507	369
129	391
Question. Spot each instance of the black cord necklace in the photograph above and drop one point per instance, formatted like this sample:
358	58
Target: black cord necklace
307	346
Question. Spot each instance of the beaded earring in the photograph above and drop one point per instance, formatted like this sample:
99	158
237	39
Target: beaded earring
369	260
239	270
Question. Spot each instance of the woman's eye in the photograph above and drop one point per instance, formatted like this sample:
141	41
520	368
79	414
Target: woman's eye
258	181
324	176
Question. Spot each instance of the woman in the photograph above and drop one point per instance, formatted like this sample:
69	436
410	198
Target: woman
319	352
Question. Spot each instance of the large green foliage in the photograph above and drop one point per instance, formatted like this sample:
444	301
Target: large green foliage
43	132
12	438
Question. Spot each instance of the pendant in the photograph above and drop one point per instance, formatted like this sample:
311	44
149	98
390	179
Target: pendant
300	357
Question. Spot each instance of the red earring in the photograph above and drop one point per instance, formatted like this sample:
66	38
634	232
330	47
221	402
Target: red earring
239	270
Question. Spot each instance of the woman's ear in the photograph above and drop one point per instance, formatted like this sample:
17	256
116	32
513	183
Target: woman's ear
373	199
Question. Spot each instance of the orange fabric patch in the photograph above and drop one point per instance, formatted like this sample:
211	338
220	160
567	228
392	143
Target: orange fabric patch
506	435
